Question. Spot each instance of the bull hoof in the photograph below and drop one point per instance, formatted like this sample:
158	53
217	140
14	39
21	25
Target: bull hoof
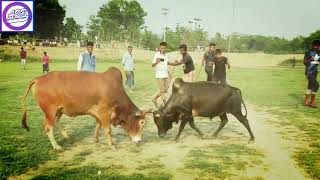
214	136
251	141
57	148
96	140
203	136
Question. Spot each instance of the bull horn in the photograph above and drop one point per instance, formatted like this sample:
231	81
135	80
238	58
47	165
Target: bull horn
150	110
138	113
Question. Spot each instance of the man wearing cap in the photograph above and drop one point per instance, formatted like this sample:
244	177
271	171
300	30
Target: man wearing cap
87	60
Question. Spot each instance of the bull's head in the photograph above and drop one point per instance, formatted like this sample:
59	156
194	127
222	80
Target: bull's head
135	124
162	121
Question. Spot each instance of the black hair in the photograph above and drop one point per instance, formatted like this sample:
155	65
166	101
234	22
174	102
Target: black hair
90	43
218	51
163	44
21	48
316	42
130	47
212	44
45	52
183	46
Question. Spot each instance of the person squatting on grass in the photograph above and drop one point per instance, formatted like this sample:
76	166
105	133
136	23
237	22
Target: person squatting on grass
128	65
45	62
311	61
160	63
188	67
87	60
208	61
23	57
220	64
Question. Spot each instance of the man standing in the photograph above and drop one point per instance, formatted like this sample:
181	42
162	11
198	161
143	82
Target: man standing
128	65
311	62
208	61
160	63
188	68
220	65
87	60
23	57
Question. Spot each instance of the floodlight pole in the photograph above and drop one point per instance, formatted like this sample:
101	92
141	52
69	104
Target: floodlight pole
233	20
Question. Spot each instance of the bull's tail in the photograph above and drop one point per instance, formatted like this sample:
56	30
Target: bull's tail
23	104
244	105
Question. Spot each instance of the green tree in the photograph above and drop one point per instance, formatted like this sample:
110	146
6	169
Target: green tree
71	29
118	19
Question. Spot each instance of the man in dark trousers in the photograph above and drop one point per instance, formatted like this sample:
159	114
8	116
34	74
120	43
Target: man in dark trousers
220	65
208	61
311	61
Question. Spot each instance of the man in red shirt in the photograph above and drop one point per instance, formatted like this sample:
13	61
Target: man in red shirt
23	56
45	62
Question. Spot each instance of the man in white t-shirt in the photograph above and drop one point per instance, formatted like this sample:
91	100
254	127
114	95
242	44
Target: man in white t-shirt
160	63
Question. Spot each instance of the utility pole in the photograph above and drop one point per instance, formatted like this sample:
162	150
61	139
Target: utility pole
233	20
164	12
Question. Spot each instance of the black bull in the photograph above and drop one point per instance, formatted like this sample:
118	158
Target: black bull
205	99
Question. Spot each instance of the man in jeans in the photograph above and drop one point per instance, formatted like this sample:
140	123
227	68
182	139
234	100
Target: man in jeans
87	60
208	61
188	68
160	63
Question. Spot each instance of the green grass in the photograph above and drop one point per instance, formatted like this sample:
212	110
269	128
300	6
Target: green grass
281	90
218	160
95	172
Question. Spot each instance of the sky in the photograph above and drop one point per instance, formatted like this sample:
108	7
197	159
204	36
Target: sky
282	18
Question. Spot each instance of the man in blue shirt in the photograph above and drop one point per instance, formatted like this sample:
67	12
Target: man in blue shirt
311	61
87	60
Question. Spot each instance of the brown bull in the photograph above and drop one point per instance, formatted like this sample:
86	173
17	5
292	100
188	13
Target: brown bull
100	95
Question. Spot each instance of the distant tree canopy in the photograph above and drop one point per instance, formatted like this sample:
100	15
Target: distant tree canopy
49	16
117	19
71	29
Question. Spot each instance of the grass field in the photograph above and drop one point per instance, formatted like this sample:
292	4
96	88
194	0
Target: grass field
279	91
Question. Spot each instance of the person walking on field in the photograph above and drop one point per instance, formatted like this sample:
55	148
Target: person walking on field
188	68
208	61
311	61
45	63
23	57
87	60
220	65
160	64
128	65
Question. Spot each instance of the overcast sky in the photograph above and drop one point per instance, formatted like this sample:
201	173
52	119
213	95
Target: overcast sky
282	18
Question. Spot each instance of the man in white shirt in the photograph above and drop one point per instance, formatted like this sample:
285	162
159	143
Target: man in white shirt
160	63
128	65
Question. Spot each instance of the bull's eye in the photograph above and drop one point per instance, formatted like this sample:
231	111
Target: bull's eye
142	123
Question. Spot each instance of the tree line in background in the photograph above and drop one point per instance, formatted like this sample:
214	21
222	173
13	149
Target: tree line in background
123	20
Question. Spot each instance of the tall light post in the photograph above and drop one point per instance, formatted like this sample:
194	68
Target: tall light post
232	22
164	12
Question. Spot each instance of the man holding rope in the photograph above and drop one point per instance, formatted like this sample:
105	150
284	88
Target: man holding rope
188	68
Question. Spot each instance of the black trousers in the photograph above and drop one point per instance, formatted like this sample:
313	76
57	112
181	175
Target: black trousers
313	84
